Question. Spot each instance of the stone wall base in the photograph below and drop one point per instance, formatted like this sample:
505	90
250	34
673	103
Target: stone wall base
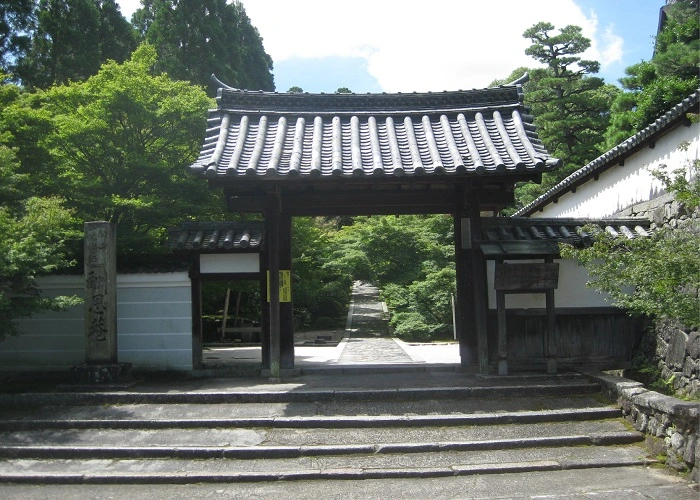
671	426
101	374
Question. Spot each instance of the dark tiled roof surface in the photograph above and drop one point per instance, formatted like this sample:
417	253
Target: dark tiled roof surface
281	135
524	236
662	125
217	236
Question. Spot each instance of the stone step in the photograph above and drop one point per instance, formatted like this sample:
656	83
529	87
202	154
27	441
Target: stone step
284	394
209	442
311	422
226	411
318	467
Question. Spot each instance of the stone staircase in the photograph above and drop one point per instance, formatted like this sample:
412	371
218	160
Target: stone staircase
317	427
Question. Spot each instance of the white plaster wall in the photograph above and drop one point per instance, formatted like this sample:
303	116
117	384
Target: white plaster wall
572	291
622	186
229	263
51	340
154	320
154	326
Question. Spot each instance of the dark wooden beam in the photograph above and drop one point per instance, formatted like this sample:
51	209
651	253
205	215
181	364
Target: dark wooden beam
344	202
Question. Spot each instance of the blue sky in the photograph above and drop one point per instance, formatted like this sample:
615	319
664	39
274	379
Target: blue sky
406	45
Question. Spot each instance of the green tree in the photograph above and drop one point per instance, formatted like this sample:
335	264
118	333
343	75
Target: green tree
16	17
196	39
121	142
320	288
571	107
72	39
295	90
653	87
35	232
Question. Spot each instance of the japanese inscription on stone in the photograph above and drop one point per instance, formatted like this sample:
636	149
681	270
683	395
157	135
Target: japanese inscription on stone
100	293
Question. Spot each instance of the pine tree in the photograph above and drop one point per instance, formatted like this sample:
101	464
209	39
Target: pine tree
570	106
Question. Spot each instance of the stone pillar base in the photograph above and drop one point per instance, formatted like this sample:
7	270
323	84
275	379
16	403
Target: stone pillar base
101	374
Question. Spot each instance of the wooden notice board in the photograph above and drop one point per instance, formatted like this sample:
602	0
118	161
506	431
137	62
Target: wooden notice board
526	277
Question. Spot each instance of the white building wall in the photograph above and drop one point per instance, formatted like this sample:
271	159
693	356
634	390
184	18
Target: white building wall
154	325
620	187
572	291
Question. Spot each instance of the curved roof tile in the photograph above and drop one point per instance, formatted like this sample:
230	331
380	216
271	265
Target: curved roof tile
288	135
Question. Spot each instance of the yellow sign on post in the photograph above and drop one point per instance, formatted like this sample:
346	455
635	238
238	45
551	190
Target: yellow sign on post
285	285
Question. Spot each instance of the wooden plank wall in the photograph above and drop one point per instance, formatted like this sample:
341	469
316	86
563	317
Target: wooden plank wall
584	336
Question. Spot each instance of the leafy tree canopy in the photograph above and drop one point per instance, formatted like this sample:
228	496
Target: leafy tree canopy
653	87
122	141
35	232
196	39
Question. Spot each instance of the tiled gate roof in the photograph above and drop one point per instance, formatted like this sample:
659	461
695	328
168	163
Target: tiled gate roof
217	236
287	135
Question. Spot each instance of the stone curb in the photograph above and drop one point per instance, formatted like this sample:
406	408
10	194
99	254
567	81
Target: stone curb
298	396
276	452
331	422
315	474
639	395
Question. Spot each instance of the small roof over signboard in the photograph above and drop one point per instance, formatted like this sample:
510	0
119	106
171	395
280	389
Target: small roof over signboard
263	136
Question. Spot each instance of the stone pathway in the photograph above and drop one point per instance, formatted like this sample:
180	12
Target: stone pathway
369	340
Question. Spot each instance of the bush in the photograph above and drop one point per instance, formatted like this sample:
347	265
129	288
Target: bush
410	326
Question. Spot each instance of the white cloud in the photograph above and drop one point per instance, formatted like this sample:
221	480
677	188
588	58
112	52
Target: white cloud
435	45
419	45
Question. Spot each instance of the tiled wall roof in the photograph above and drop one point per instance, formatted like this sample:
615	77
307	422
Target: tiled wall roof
661	125
523	236
217	236
286	135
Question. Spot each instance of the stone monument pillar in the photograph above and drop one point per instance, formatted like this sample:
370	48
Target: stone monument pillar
100	293
101	363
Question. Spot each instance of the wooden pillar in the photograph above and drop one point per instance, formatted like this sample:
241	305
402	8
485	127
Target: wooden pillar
502	335
265	313
272	223
286	306
550	335
479	283
464	303
197	336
